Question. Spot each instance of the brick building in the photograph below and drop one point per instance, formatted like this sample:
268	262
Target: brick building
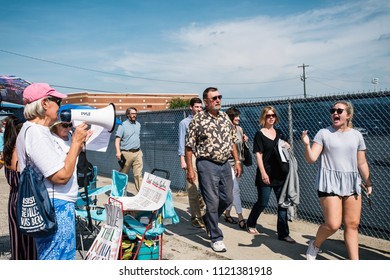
141	101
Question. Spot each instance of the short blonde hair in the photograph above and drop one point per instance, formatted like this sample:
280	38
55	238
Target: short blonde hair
264	113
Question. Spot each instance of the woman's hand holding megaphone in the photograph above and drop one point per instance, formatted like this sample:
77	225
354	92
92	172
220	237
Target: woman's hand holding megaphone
81	134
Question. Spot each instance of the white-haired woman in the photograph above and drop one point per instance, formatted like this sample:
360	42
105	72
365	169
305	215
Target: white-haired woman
58	169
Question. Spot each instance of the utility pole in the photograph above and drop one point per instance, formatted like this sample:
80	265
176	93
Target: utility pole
303	78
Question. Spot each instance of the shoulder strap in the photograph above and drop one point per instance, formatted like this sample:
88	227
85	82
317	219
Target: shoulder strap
25	151
28	160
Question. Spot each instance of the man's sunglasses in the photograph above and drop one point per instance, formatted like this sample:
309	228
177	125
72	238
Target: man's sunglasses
365	193
66	125
216	97
338	110
56	100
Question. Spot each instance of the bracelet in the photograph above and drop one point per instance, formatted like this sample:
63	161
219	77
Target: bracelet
237	161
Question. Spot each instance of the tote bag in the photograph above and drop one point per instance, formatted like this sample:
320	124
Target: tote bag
247	155
35	211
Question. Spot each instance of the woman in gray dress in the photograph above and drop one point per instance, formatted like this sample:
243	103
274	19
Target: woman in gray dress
342	168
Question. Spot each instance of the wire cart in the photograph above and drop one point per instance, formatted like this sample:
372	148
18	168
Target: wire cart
142	234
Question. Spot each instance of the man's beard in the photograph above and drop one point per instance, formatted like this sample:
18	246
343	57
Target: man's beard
215	108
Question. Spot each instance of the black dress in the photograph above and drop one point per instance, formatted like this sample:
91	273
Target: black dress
265	145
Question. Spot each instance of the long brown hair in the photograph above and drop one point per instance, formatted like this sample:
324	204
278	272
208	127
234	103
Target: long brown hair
12	128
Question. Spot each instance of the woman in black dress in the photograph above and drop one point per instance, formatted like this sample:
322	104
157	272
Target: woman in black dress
269	175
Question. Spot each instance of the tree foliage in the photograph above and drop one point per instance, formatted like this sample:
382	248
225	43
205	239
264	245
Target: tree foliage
178	103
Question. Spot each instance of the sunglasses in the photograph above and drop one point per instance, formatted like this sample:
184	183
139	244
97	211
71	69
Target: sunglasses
66	125
338	110
364	191
216	97
56	100
270	115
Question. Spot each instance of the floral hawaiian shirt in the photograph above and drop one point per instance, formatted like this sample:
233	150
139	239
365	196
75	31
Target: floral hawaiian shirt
211	137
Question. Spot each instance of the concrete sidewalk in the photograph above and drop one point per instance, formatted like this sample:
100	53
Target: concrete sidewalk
266	246
184	242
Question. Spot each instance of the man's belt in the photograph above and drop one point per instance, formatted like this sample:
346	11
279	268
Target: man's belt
131	150
215	162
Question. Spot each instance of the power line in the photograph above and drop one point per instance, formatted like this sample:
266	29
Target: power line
82	89
315	80
241	97
137	77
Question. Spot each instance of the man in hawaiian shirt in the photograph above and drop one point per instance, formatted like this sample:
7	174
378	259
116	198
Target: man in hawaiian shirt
211	137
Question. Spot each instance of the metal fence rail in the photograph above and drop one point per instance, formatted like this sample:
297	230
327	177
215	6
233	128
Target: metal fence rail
159	141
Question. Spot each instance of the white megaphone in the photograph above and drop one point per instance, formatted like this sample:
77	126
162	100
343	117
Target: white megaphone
104	117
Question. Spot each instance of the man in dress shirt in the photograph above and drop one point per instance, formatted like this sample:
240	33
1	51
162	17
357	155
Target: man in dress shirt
195	199
127	143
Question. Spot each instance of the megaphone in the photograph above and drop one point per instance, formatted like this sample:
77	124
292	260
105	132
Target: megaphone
104	117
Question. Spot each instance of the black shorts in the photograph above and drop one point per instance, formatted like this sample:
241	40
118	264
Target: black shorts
324	194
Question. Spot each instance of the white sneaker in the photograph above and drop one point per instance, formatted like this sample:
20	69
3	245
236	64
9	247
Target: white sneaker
312	251
218	246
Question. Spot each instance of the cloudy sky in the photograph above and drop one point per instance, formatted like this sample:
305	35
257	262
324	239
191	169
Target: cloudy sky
249	49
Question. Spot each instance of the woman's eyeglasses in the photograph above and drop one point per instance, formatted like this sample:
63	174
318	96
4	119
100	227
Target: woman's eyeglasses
216	97
56	100
338	110
66	125
270	116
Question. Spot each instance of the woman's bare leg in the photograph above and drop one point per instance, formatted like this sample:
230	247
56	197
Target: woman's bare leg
352	207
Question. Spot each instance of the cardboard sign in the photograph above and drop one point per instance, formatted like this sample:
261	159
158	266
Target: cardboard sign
107	244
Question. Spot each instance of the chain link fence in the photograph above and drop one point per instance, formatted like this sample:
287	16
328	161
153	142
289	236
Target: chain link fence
159	142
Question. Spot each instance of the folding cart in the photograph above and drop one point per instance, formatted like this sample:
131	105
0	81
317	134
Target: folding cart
144	218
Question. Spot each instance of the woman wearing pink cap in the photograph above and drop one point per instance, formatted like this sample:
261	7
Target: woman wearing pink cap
58	168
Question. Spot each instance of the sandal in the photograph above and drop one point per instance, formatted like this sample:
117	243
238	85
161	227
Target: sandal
242	224
230	220
252	230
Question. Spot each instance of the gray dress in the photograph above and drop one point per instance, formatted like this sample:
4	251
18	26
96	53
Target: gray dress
338	171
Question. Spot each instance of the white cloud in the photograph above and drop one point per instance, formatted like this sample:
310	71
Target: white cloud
345	41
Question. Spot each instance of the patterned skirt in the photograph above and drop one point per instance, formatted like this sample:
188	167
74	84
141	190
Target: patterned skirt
62	244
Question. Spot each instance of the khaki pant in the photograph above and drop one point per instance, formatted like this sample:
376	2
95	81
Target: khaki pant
134	161
197	205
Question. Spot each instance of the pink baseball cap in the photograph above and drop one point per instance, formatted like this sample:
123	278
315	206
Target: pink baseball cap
37	91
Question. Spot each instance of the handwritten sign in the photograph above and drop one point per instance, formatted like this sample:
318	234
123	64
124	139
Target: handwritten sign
107	244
